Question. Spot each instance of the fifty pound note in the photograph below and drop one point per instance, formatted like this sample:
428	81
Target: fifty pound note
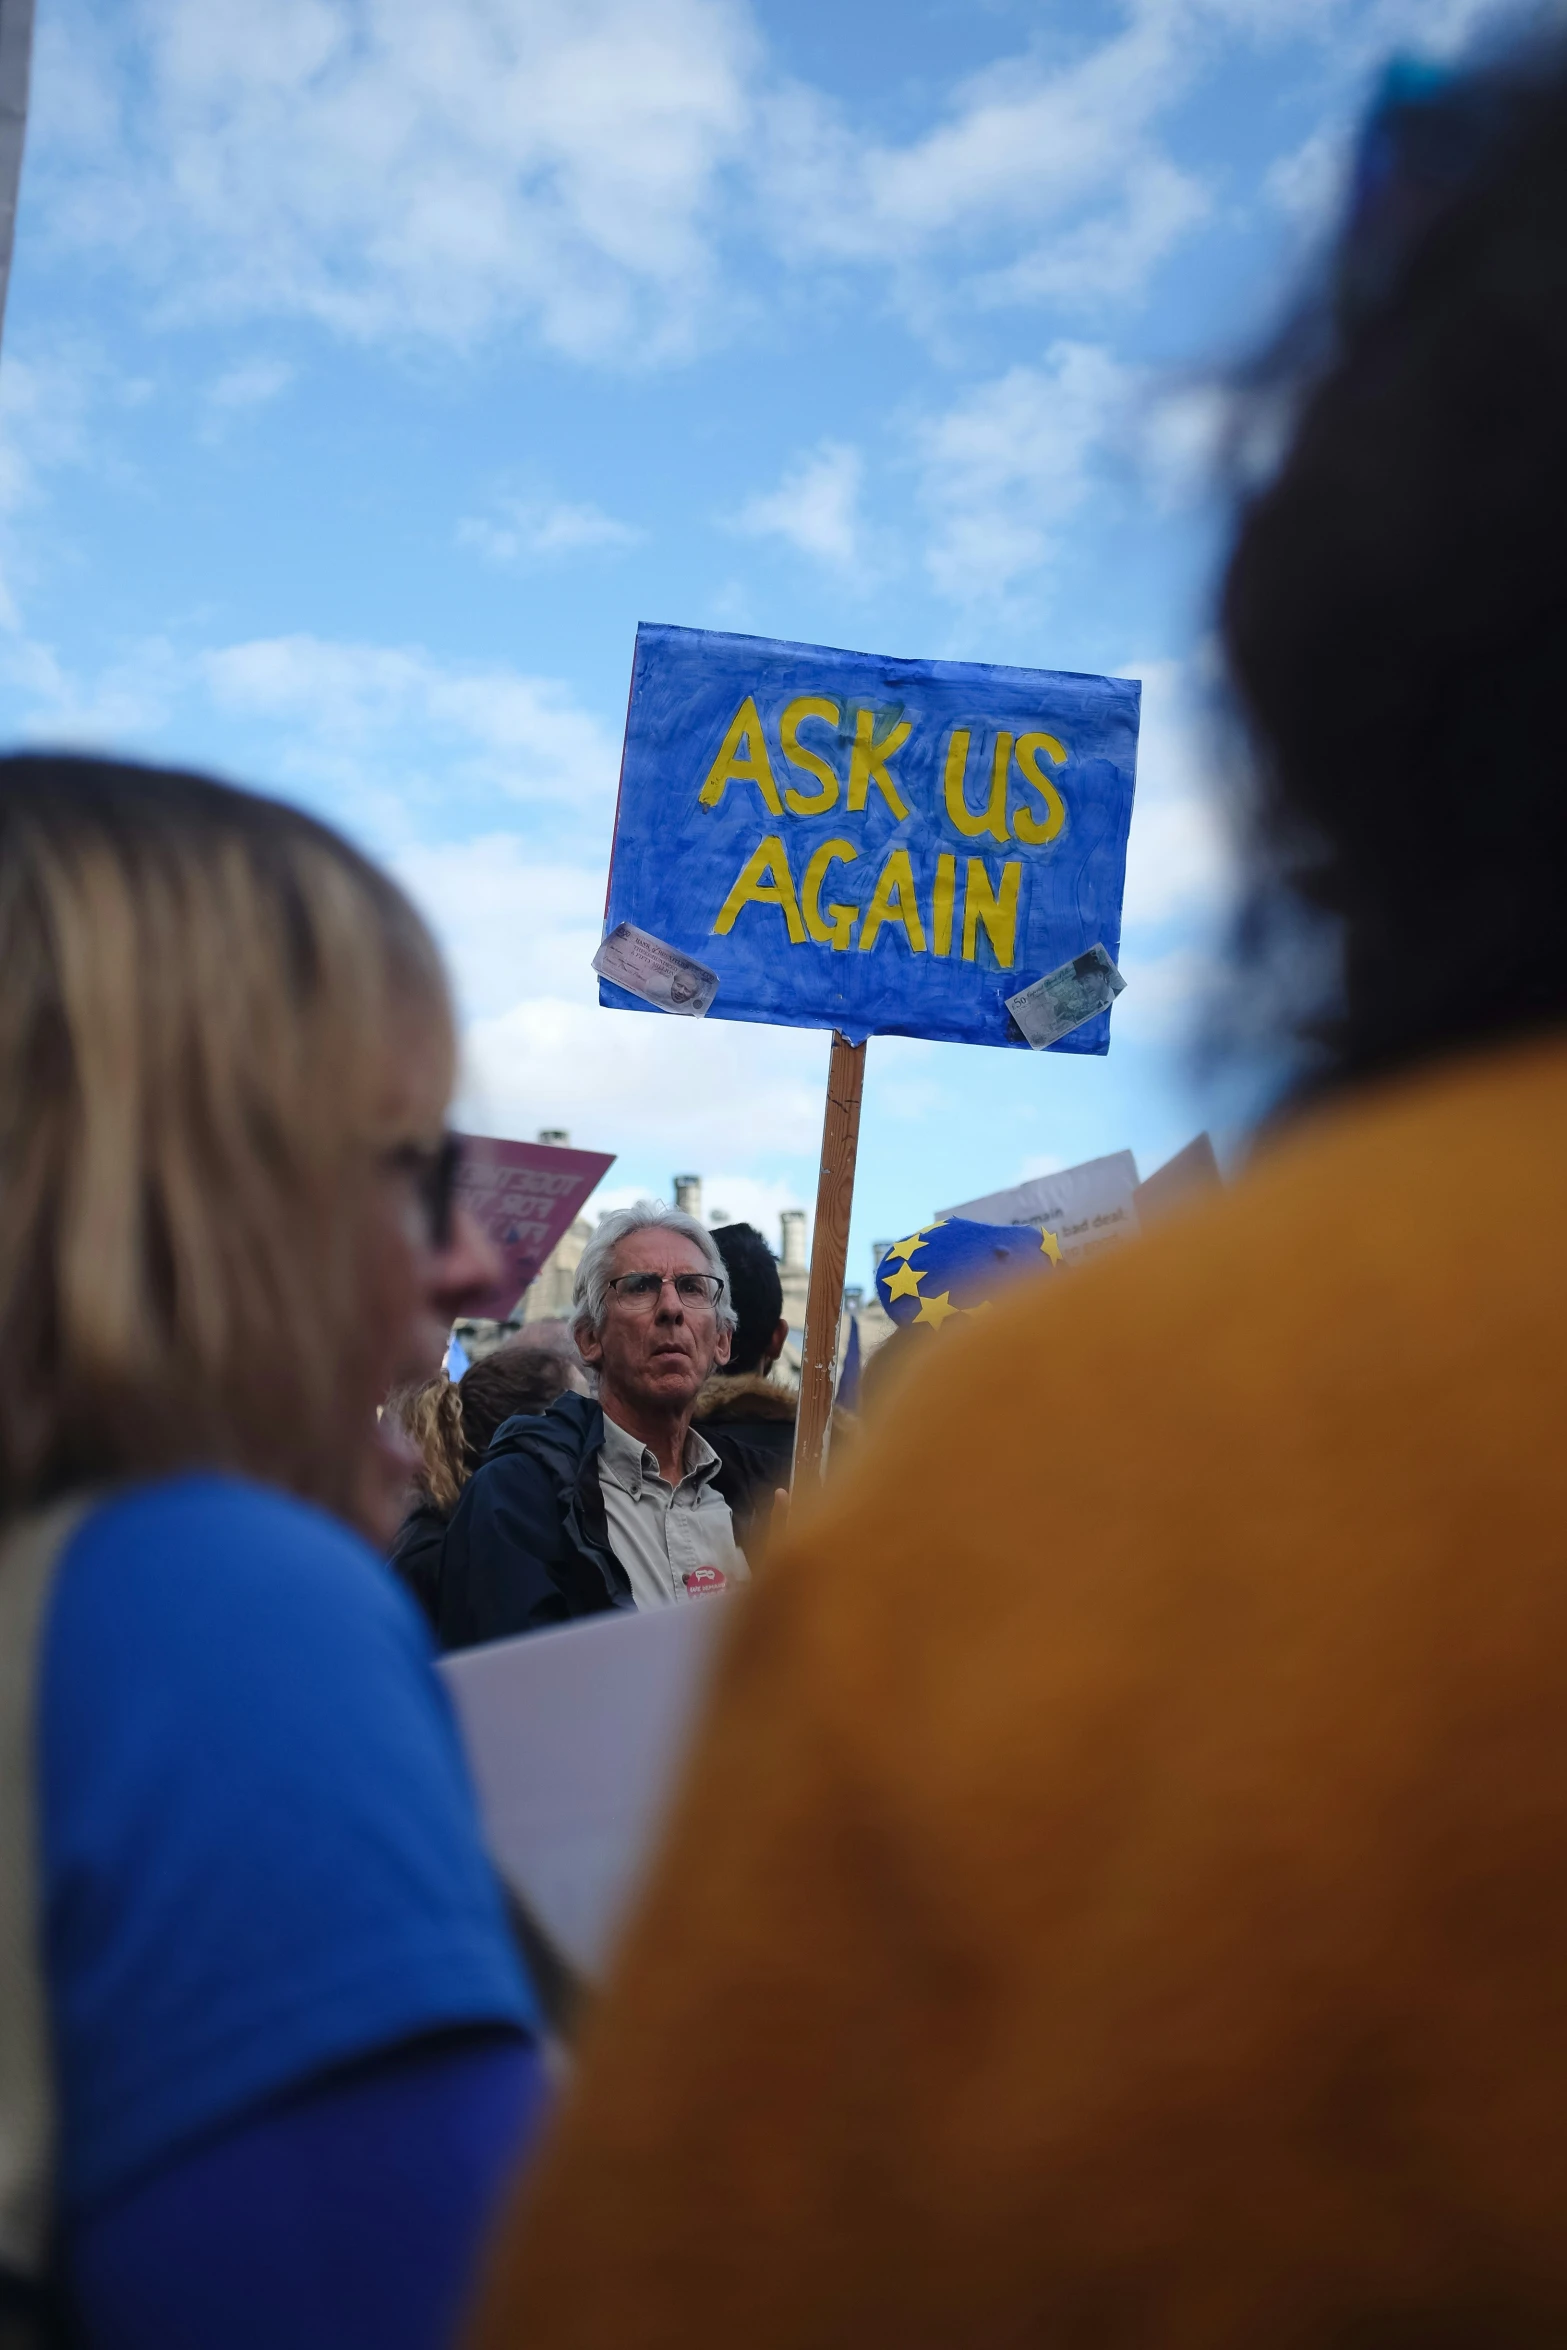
1064	999
644	966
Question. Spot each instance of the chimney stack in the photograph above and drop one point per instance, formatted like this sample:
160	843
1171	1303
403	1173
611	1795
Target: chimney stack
688	1195
793	1222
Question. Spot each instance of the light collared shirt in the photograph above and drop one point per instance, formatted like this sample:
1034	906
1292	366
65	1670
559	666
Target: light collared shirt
676	1542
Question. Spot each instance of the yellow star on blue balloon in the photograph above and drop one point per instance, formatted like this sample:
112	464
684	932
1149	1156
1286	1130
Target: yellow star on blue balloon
905	1248
936	1310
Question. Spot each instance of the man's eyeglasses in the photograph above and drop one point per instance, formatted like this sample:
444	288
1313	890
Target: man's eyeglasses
640	1292
432	1170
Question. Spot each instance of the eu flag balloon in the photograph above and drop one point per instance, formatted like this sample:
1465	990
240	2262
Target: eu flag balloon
881	846
957	1267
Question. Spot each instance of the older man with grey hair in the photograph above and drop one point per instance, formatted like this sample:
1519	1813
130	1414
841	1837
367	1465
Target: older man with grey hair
613	1502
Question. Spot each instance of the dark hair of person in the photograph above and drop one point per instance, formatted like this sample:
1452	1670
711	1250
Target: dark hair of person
1394	614
516	1378
452	1424
756	1290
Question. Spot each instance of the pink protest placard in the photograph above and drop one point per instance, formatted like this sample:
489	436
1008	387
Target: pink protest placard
524	1195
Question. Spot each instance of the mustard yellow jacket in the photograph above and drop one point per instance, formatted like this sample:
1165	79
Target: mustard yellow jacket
1120	1896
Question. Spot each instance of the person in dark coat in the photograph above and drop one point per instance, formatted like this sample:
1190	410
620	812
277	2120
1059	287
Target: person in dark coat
745	1415
612	1503
452	1424
530	1544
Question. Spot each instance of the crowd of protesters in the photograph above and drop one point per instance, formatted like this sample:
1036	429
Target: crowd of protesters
610	1500
626	1460
1117	1891
451	1427
1118	1894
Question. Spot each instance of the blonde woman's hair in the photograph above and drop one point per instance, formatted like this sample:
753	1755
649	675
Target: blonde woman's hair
430	1416
452	1422
201	989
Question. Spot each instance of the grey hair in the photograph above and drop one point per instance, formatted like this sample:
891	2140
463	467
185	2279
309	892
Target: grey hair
590	1292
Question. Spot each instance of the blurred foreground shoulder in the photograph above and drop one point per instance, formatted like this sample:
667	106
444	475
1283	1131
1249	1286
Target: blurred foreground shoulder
1118	1671
260	1852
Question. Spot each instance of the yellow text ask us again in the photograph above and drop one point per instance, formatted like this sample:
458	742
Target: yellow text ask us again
766	878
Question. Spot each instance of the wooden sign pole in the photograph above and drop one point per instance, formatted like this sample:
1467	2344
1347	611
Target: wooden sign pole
829	1257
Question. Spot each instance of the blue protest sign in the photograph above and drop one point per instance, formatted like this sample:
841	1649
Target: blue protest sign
884	847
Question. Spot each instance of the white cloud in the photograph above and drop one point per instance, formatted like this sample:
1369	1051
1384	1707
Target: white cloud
1111	255
729	1198
816	507
1166	995
1023	143
1356	30
515	920
1307	184
127	702
911	1099
1059	157
55	403
379	730
1054	160
1181	870
521	527
43	408
1179	861
394	169
240	391
395	718
1181	433
402	171
678	1092
252	384
1061	154
1006	466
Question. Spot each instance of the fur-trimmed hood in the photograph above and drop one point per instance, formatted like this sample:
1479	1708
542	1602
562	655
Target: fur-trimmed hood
747	1396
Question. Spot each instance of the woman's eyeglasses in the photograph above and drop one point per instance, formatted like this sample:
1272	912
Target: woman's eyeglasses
640	1292
432	1170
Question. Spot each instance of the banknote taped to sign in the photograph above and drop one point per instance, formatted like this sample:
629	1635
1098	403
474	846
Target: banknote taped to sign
1066	999
661	975
873	845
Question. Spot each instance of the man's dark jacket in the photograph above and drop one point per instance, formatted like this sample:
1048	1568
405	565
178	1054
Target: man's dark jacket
528	1544
749	1422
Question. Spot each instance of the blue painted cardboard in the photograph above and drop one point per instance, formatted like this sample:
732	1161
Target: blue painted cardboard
882	846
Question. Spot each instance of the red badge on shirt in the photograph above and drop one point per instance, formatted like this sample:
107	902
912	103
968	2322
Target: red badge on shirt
702	1580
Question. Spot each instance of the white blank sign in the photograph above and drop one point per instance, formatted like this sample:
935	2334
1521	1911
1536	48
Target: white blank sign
574	1739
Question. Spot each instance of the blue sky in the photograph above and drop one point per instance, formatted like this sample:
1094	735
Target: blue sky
371	367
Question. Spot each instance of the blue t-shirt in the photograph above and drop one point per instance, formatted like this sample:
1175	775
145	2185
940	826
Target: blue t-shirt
260	1856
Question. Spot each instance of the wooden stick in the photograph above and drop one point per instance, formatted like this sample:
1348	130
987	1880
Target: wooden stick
829	1256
